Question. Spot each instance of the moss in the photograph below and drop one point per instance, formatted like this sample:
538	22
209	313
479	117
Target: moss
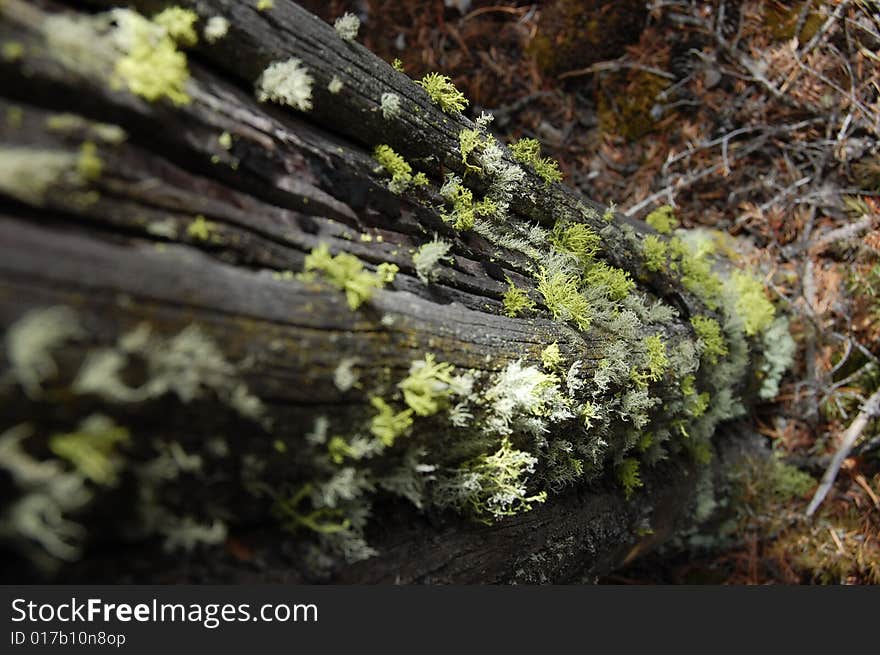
564	299
91	447
528	151
656	361
287	83
470	141
712	342
516	300
387	425
464	208
663	219
443	93
427	388
626	100
347	273
751	303
179	24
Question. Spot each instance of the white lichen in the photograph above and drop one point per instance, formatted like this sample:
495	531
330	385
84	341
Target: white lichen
428	257
347	26
390	105
344	376
335	85
215	29
287	83
31	340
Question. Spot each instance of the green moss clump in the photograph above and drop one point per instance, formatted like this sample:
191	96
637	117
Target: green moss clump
464	208
345	272
201	229
401	172
656	361
516	300
551	358
713	344
443	92
663	219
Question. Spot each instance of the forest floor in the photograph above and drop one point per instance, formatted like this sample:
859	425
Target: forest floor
760	119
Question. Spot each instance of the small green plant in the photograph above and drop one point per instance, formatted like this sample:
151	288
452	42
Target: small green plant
577	239
443	92
752	305
654	250
551	357
615	283
179	23
401	172
656	362
90	449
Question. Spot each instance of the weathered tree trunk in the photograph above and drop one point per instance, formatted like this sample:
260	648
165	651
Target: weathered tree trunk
150	250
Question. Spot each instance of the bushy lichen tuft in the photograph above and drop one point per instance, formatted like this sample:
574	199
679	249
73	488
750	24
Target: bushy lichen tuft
287	83
516	300
179	23
346	272
629	475
427	388
428	257
551	358
387	425
215	29
90	449
347	26
654	251
615	283
528	151
577	239
751	302
443	92
401	172
563	298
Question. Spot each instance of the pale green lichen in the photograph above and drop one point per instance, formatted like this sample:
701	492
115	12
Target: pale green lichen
654	251
751	303
629	476
335	85
577	239
563	298
28	174
126	49
442	92
346	272
265	5
616	284
347	26
401	172
225	140
464	209
345	377
12	51
428	257
388	425
427	388
778	349
516	300
712	343
390	105
286	83
551	357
